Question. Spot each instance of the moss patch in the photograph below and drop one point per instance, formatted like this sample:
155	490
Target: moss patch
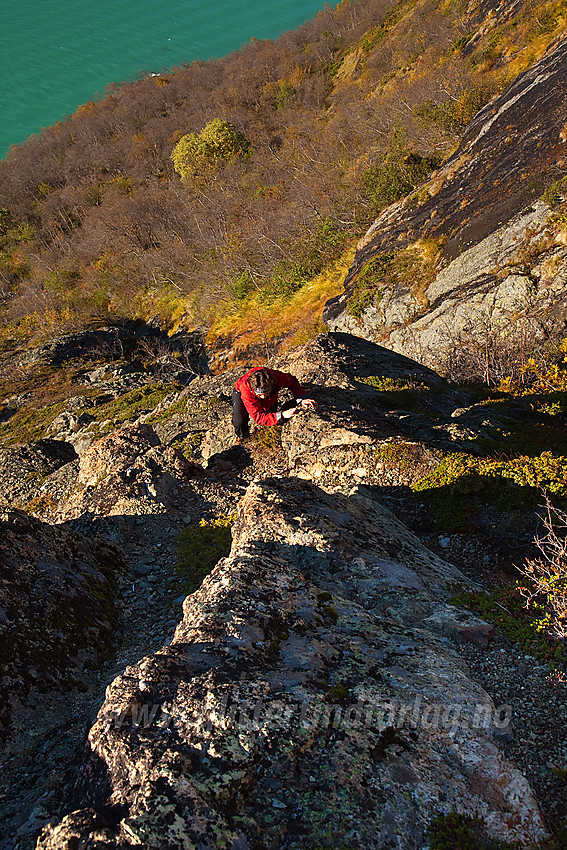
132	404
27	426
200	548
455	831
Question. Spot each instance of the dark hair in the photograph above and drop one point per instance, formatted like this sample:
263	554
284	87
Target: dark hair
261	381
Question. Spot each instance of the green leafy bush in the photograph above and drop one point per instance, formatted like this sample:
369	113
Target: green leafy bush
454	114
368	290
413	267
386	385
461	486
546	471
218	142
400	171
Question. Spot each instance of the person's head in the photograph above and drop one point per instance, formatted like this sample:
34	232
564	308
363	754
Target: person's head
261	383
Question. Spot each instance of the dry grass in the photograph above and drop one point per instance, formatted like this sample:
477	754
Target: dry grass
274	328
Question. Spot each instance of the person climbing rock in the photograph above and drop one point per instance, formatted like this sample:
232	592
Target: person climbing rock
255	395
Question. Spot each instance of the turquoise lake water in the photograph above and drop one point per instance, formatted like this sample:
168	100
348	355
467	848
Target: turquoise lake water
57	55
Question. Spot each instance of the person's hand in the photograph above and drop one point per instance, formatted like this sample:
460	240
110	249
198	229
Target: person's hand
308	402
287	414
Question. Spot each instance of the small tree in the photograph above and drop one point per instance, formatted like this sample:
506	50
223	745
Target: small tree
208	152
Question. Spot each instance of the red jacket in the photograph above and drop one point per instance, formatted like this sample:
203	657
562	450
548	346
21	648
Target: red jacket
258	407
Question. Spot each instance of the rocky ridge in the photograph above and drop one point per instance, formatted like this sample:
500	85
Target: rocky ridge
327	604
278	709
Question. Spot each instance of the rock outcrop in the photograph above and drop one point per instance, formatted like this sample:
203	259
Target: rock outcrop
130	339
58	618
313	694
311	697
484	253
24	468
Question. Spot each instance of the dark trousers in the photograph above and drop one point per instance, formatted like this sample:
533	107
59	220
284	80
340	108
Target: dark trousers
241	417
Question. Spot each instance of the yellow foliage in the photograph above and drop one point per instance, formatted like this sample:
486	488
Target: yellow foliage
165	301
281	325
537	377
217	143
83	108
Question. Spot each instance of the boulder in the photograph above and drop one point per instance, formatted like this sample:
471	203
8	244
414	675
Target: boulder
115	452
126	473
24	468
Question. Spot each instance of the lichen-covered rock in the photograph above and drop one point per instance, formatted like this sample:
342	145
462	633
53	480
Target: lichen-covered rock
57	616
115	452
24	468
501	256
311	697
127	472
368	396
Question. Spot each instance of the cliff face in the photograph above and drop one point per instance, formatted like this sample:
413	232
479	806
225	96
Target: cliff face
313	693
473	247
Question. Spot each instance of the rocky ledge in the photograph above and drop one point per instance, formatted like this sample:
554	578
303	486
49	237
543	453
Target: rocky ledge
313	692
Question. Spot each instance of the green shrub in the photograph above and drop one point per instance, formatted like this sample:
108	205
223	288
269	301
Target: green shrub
454	114
322	245
286	93
387	385
367	291
546	471
13	232
269	437
556	192
412	268
242	286
218	142
400	171
461	485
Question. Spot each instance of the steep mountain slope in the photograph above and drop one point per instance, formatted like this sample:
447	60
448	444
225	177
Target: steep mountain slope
319	688
474	252
309	698
343	117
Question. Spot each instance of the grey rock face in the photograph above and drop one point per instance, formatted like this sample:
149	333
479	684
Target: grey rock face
313	694
309	698
502	254
23	468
